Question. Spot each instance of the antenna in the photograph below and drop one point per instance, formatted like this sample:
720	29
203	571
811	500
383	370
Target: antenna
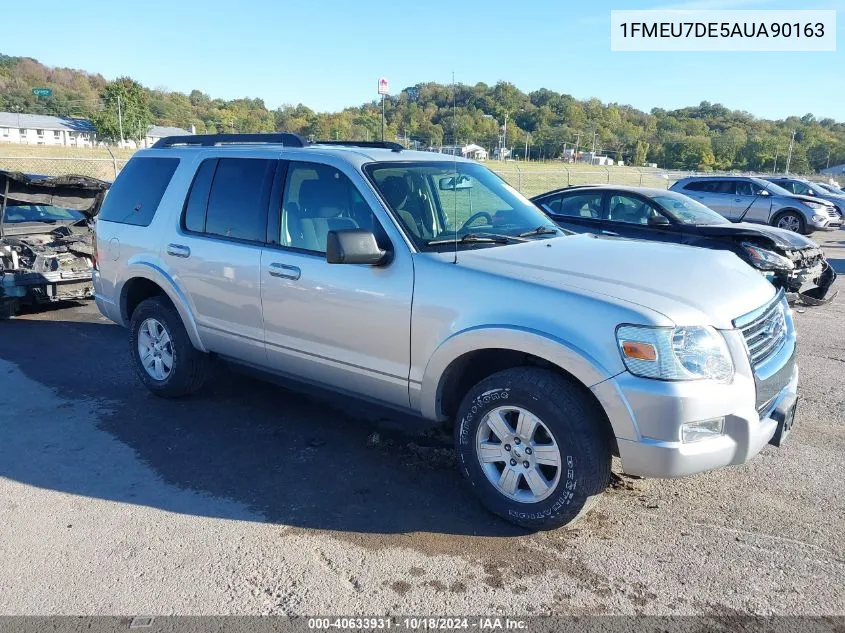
455	163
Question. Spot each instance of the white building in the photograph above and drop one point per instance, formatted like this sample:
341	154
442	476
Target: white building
595	159
42	129
476	152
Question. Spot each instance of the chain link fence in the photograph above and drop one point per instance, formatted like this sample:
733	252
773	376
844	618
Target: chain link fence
532	180
102	168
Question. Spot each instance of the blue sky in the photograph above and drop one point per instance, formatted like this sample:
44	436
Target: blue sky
329	54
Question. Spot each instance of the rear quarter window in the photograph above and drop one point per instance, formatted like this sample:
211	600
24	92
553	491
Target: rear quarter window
137	192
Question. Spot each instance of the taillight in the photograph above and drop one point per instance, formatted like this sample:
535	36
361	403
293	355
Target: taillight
94	257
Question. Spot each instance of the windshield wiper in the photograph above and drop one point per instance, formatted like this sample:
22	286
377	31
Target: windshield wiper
480	238
540	230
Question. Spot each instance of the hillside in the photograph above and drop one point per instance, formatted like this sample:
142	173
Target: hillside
707	136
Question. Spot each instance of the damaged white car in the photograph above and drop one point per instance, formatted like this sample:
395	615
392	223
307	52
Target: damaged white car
46	238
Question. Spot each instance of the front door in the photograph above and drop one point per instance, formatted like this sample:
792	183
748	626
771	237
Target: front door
346	326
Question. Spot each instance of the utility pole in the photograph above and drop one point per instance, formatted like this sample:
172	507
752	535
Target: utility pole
526	146
789	155
828	160
120	119
577	145
593	151
775	168
504	139
382	117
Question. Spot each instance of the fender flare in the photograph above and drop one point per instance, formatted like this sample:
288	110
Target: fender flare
154	273
568	357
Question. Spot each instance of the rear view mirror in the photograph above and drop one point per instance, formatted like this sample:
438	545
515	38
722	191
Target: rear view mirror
354	246
453	183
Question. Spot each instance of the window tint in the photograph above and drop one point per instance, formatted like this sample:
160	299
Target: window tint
318	199
135	195
197	203
630	210
237	203
699	185
744	188
801	189
785	184
585	205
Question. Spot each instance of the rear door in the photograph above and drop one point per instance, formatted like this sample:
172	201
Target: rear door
217	253
576	210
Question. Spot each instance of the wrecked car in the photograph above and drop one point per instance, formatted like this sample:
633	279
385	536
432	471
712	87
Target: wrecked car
46	238
789	260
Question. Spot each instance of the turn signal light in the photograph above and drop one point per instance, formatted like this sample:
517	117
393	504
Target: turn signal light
639	351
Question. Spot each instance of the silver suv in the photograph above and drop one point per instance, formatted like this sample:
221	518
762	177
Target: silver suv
431	286
748	199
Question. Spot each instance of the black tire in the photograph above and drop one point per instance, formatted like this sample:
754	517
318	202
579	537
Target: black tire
576	426
8	308
802	225
190	366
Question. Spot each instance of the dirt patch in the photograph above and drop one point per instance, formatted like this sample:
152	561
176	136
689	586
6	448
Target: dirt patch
401	587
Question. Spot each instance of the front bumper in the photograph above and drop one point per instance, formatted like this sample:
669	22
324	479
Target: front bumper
46	287
650	413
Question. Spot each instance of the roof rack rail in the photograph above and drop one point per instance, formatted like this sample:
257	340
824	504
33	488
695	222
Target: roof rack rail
396	147
210	140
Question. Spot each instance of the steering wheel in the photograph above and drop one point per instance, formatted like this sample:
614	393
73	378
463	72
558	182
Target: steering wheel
475	216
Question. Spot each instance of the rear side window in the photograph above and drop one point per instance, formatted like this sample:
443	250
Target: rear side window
136	194
584	205
229	198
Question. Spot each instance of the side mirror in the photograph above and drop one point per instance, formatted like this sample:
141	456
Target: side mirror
354	246
764	192
658	220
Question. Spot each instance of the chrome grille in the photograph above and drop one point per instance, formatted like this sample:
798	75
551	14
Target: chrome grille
833	213
764	331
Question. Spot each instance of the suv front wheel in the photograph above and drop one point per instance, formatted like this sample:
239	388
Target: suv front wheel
532	447
162	354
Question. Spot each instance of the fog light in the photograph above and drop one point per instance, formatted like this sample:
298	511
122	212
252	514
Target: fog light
702	430
819	218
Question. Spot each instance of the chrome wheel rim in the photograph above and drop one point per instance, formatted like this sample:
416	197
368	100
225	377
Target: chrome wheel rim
790	223
155	349
518	454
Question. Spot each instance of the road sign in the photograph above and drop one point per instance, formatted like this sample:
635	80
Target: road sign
42	92
382	86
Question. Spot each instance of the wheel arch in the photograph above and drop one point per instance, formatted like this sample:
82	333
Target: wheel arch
469	357
147	280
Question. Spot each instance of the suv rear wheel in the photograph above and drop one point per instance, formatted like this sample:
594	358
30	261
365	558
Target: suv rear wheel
162	354
532	447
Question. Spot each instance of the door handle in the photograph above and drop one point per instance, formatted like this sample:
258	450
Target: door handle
610	233
285	271
177	250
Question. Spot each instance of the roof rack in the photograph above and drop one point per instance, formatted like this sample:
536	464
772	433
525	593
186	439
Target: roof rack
209	140
396	147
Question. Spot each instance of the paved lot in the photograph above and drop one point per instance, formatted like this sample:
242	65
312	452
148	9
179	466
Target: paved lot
250	498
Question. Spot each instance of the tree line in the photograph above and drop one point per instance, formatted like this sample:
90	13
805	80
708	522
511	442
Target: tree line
547	123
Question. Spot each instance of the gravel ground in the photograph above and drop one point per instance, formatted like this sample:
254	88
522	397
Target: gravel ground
253	499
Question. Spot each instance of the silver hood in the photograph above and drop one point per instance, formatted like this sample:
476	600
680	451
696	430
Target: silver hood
687	285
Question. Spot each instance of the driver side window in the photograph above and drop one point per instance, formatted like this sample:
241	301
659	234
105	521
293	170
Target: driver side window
318	199
629	209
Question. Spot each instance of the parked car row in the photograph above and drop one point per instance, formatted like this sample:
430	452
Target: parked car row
431	286
791	261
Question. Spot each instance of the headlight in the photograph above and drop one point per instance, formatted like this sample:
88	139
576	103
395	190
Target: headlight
680	353
766	260
815	205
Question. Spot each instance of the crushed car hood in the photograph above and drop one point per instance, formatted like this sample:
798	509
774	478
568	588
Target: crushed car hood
79	193
780	238
689	286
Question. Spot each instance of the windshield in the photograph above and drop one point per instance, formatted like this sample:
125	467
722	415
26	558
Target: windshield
686	210
449	200
772	188
19	213
831	188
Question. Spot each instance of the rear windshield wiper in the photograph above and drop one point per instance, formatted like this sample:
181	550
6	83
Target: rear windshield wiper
480	238
541	230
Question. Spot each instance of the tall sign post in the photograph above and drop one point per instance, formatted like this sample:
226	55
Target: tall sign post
382	90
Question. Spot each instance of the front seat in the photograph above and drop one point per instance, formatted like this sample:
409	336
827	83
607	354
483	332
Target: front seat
324	207
401	199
